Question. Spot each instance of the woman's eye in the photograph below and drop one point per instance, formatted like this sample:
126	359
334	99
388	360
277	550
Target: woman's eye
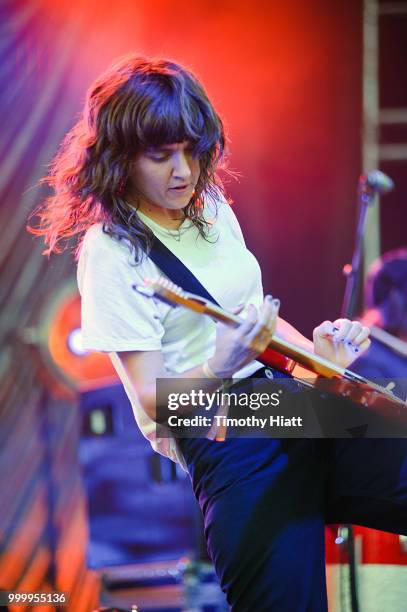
159	157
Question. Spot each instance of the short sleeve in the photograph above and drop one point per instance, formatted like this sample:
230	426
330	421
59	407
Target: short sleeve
229	218
114	316
234	224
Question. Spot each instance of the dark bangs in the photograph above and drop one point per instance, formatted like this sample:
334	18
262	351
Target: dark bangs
175	108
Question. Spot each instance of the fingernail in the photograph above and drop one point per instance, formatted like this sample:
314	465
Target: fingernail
269	298
276	303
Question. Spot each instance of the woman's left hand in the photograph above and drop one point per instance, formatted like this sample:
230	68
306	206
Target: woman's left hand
341	341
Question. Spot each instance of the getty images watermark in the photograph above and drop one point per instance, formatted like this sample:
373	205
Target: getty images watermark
283	408
223	400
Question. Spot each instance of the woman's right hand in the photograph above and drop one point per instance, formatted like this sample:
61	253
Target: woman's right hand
238	346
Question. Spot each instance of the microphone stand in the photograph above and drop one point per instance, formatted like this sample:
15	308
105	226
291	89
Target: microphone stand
366	196
369	185
353	273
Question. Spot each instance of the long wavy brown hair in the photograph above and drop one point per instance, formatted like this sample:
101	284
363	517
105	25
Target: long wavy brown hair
136	104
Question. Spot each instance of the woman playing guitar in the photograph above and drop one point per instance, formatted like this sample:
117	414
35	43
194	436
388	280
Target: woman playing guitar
139	165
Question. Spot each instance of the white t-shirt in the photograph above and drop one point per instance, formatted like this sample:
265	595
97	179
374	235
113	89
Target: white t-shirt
116	318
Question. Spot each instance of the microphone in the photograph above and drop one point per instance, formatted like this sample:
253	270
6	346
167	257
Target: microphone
377	181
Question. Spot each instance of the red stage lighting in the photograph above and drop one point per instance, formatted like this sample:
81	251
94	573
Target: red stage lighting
59	342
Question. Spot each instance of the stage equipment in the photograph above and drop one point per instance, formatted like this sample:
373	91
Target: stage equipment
380	565
140	505
370	185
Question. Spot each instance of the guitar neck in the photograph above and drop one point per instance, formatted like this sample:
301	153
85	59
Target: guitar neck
308	360
295	360
293	354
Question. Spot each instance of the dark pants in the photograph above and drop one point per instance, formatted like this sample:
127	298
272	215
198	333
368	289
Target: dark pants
266	502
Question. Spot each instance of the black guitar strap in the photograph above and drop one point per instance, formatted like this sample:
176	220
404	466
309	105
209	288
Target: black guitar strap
177	271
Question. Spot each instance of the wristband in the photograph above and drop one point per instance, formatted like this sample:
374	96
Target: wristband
208	372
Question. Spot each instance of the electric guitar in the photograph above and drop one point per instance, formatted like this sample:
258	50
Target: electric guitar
286	357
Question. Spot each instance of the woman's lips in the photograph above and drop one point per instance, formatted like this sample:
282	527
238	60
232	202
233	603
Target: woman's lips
180	189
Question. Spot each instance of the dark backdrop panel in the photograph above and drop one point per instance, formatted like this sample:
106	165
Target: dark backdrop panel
393	209
298	146
393	96
140	505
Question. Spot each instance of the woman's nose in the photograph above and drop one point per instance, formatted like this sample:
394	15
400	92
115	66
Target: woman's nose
181	166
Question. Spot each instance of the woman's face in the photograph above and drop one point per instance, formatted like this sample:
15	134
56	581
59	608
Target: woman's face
165	177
